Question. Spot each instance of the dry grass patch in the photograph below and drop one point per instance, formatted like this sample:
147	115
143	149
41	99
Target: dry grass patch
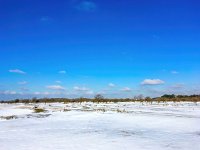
8	117
39	110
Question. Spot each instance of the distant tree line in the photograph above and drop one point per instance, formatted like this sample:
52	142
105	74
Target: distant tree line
179	96
100	99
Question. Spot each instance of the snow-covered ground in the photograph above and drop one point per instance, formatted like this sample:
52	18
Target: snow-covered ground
92	126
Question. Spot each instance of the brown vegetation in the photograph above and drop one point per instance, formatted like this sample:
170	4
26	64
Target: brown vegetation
101	99
8	117
39	110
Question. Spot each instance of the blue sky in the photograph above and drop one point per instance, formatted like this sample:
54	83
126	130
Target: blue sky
73	48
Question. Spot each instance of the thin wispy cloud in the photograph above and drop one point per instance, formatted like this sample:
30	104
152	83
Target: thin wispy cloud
82	91
24	89
37	93
77	88
62	72
8	92
88	6
45	19
55	87
101	92
59	82
126	89
46	93
22	82
18	71
111	85
152	82
89	92
174	72
178	86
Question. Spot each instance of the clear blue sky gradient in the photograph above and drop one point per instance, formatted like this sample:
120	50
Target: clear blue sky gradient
98	42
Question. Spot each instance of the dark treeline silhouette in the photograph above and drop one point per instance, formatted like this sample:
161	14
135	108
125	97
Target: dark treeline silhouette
100	99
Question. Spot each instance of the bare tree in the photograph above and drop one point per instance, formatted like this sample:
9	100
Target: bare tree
98	96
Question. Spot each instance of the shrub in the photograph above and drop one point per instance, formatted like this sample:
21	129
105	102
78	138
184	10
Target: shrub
39	110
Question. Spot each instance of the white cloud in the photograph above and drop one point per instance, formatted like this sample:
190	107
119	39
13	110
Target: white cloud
55	87
152	82
111	85
17	71
22	82
87	6
174	72
24	89
46	93
37	93
101	92
81	88
178	86
126	89
50	94
9	92
45	19
89	92
58	81
62	72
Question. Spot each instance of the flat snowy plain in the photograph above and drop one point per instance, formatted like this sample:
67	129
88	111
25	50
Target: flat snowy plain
92	126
